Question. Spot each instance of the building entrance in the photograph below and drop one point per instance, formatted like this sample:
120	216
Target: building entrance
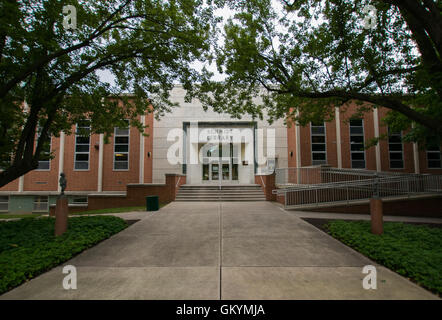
219	166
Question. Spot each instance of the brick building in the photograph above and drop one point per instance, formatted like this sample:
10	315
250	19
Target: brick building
182	143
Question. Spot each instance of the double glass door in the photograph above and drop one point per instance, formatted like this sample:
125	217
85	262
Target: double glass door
220	168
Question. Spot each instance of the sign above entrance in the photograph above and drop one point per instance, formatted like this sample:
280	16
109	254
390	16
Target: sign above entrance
217	135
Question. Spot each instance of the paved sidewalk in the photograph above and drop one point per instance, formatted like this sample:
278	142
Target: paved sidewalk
219	250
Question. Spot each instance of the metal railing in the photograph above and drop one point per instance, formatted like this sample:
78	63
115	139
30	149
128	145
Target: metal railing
286	177
359	186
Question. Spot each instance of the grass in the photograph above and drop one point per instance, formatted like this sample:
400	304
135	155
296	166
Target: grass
28	247
110	210
88	212
113	210
413	251
14	216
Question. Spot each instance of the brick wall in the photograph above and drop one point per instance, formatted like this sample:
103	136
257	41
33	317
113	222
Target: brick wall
135	195
87	180
267	183
426	207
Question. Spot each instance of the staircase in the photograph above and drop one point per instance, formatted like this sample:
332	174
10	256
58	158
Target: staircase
251	192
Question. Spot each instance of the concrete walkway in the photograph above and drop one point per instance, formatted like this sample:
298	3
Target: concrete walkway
219	250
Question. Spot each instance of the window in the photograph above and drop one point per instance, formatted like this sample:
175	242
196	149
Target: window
79	200
395	150
434	158
4	203
82	145
357	152
121	148
319	150
41	203
44	162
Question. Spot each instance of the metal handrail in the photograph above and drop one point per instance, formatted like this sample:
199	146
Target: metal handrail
353	190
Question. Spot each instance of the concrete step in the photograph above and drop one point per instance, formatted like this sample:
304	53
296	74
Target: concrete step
218	199
251	187
221	196
225	193
219	192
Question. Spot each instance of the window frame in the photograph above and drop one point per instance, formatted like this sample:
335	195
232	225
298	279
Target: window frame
428	161
390	134
363	143
316	143
76	202
82	152
7	203
37	136
128	147
40	202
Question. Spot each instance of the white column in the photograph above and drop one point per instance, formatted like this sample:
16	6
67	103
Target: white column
416	158
298	152
298	145
338	137
61	157
376	134
21	183
417	168
21	180
100	163
141	178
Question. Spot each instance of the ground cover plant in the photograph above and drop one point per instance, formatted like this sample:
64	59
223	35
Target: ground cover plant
28	247
413	251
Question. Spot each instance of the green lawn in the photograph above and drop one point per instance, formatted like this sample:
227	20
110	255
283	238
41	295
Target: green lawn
414	251
110	210
13	216
28	247
114	210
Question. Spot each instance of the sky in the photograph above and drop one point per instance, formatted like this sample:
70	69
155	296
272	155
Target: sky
106	75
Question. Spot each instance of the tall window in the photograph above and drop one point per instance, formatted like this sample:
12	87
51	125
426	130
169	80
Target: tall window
82	145
395	150
357	152
434	158
121	147
319	150
44	163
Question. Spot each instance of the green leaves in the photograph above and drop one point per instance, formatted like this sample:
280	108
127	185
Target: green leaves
413	251
312	55
146	45
28	247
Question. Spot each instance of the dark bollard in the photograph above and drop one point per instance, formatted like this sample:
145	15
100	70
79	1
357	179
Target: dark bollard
61	215
376	213
61	208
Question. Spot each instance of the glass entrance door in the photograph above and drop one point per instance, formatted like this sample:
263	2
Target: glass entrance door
216	167
226	171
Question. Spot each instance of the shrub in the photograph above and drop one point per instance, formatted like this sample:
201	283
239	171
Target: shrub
413	251
28	247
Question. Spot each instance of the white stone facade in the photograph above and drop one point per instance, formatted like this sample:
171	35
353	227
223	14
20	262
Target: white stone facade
253	150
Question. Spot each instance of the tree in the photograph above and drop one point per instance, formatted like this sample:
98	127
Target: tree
311	56
51	66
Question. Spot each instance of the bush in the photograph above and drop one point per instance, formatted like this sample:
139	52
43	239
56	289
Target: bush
28	247
413	251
